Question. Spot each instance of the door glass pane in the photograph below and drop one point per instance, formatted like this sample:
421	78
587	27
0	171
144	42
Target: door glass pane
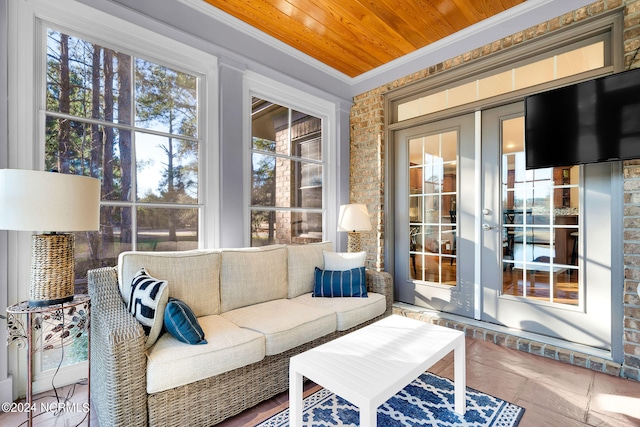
540	224
432	208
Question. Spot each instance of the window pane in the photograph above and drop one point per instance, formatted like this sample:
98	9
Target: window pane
305	136
285	183
533	74
462	94
263	180
263	228
587	58
285	227
166	99
87	80
269	121
161	229
495	85
167	169
91	150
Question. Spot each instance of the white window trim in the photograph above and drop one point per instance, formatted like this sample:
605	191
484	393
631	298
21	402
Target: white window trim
26	126
255	85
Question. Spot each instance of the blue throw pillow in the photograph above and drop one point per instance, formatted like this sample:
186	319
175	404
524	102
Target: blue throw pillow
181	323
348	283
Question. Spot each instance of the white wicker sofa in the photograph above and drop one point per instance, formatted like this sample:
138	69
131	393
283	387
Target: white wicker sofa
256	310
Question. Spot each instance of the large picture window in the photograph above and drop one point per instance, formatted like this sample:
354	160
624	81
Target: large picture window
132	123
286	175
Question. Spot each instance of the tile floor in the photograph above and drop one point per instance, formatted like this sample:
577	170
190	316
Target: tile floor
554	394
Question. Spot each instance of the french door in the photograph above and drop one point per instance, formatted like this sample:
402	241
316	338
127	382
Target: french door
464	199
535	274
434	215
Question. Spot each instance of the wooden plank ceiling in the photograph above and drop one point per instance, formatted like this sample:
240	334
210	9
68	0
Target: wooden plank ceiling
356	36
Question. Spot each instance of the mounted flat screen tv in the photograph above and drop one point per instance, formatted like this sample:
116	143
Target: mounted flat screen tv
588	122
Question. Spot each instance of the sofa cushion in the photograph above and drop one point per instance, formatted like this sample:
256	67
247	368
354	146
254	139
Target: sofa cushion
348	283
193	276
344	260
284	323
303	259
182	324
171	363
350	312
250	277
147	303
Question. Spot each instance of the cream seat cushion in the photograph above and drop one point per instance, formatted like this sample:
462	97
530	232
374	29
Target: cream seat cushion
350	312
171	363
284	323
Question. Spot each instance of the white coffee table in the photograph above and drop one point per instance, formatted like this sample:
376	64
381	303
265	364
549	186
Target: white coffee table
370	365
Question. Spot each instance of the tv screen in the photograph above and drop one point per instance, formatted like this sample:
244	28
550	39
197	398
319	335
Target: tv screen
588	122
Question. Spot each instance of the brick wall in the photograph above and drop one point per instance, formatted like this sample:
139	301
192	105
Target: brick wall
368	162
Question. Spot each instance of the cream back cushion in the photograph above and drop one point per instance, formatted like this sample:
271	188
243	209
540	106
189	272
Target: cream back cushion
341	261
193	276
303	259
250	277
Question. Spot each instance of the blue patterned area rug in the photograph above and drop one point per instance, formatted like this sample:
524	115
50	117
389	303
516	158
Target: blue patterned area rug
427	401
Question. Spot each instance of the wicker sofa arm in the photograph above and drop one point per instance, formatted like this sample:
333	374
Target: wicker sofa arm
118	360
381	282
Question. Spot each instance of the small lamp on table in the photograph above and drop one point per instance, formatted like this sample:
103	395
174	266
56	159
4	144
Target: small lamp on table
37	201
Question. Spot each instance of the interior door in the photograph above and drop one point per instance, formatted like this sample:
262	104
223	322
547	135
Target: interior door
434	250
536	273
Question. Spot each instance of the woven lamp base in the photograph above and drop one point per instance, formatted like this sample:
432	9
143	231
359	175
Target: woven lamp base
52	269
354	243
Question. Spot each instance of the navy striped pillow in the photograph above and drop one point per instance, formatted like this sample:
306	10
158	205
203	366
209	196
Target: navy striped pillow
348	283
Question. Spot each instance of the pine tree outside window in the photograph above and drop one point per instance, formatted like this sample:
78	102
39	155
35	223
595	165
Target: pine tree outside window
132	123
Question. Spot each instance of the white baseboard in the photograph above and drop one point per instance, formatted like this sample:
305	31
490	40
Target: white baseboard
6	390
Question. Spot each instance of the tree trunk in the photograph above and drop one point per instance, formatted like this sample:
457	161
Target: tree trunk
124	116
96	147
107	157
64	104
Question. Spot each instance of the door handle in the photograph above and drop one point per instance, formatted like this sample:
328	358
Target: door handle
487	227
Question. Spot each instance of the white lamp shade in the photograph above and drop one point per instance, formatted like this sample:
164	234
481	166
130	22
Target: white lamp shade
48	201
354	217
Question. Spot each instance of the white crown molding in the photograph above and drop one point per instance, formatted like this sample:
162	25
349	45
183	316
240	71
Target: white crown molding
515	19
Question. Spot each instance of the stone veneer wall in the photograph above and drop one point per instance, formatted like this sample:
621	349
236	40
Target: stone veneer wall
368	180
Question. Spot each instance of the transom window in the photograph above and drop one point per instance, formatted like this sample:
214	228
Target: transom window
557	66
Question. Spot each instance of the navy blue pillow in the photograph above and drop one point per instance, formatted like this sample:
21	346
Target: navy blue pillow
348	283
181	323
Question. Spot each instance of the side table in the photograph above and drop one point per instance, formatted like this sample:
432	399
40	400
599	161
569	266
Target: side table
59	325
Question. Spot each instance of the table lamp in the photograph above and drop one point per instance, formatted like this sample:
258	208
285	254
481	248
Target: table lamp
354	218
51	203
